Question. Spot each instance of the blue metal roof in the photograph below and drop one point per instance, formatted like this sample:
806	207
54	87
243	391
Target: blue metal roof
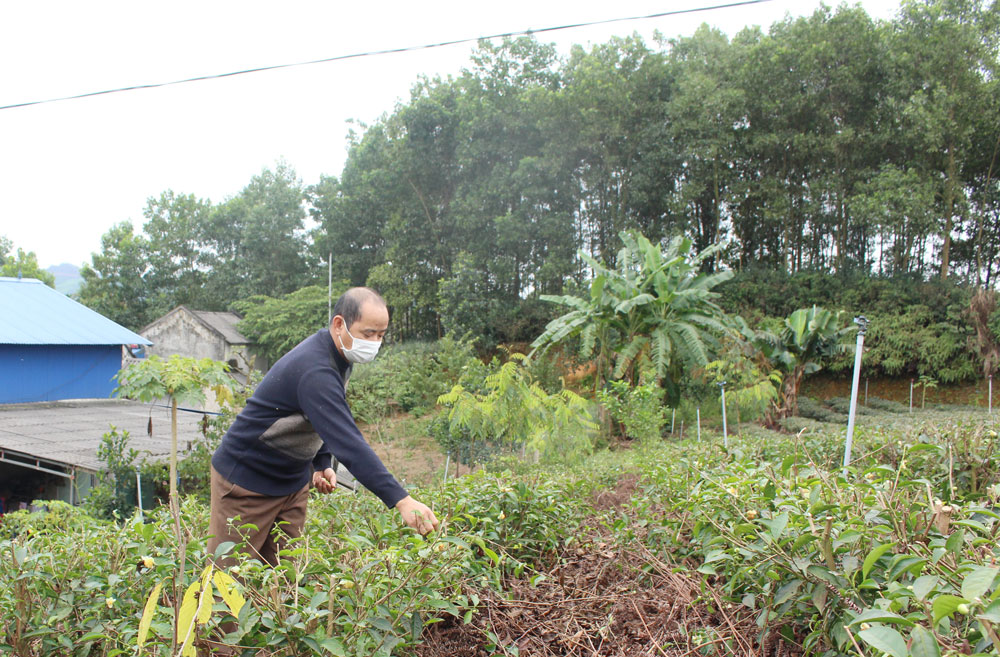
31	312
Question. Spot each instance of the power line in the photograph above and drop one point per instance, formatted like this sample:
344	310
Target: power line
387	51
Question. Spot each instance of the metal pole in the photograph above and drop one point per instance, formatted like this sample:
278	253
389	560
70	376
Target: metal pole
697	415
911	395
138	489
447	462
862	323
682	429
991	395
725	431
866	391
673	416
329	289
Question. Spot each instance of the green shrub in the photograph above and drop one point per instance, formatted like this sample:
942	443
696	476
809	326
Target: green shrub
814	410
887	405
796	424
843	406
408	377
639	410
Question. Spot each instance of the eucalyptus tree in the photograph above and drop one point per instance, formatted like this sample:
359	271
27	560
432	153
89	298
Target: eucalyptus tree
707	115
946	54
611	126
255	242
176	226
654	309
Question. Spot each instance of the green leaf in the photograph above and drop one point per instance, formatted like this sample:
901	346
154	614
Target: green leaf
777	524
873	556
978	581
382	624
333	646
494	557
991	613
923	585
923	643
885	639
881	616
787	591
955	542
945	605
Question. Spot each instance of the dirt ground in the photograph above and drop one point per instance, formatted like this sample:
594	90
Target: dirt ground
605	600
406	448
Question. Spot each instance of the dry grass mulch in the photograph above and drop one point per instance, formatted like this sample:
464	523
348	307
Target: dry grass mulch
603	599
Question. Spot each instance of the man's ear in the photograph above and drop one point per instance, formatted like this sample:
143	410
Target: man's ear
337	322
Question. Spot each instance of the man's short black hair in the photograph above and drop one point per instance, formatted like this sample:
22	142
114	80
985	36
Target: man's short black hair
349	304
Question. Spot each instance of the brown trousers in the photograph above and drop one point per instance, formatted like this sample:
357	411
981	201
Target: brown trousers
233	507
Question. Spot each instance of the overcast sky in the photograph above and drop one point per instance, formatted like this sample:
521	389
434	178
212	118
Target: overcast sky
70	170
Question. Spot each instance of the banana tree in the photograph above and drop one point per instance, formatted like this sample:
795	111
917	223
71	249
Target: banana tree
655	308
809	337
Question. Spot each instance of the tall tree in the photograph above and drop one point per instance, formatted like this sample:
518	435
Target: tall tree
175	228
255	242
115	282
947	50
22	264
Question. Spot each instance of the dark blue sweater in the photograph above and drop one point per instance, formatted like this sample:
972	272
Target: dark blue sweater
296	419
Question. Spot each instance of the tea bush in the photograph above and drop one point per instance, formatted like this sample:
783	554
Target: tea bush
835	561
887	405
895	555
814	410
357	583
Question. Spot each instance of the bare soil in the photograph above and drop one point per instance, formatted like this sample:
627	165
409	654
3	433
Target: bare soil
410	454
603	599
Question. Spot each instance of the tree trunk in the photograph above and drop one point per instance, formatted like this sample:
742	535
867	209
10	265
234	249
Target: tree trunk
949	208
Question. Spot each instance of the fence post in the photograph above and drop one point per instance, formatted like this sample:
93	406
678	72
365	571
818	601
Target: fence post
673	417
991	395
697	415
862	323
138	489
911	395
725	431
447	462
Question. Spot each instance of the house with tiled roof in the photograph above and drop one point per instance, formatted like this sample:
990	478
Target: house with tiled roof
203	334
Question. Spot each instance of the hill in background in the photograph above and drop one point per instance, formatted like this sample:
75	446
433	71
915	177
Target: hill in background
68	279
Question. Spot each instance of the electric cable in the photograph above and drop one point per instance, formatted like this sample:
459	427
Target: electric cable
387	51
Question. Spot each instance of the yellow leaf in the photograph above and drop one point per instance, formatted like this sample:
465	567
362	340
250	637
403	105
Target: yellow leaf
185	620
229	590
147	615
205	600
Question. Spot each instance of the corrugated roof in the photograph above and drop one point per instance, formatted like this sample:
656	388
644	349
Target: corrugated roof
31	312
224	323
70	432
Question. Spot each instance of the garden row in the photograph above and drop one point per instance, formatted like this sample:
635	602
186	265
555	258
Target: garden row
895	555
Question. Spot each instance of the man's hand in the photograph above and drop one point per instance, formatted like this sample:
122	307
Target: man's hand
325	481
417	515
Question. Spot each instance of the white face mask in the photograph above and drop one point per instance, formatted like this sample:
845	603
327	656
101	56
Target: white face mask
362	351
